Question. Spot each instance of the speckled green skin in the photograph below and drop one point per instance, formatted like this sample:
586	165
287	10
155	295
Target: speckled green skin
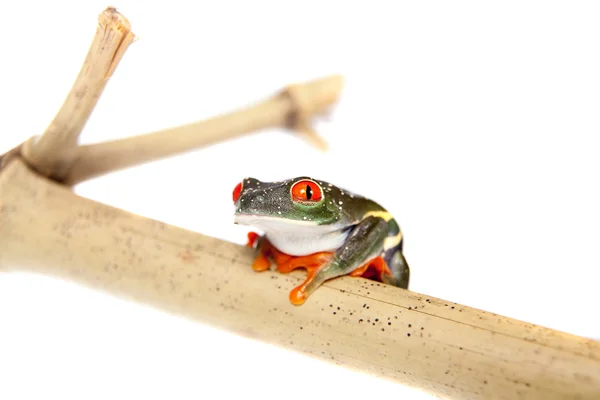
365	222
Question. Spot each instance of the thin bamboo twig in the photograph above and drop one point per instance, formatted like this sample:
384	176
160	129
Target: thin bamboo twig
112	38
282	110
446	348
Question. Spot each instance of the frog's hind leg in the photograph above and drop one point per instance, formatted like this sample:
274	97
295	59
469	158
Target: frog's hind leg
400	271
364	243
376	269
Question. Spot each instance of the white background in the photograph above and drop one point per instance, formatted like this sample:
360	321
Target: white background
475	124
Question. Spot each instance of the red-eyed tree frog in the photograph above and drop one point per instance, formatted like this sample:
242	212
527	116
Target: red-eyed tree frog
312	224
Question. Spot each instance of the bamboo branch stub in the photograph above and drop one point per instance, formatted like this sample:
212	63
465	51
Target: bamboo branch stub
112	38
456	352
305	106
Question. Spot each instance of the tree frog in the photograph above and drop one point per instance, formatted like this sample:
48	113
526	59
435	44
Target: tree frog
312	224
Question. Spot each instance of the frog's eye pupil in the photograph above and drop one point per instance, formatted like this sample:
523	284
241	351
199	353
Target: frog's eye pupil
306	192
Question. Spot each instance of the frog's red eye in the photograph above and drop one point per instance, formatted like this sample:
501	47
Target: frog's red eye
304	191
237	191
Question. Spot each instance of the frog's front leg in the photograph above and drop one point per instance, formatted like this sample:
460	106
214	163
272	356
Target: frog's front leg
364	244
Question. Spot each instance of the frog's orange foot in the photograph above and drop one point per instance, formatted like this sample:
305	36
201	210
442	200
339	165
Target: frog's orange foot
261	262
374	269
310	261
279	257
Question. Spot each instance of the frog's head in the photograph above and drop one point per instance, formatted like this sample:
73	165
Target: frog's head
299	204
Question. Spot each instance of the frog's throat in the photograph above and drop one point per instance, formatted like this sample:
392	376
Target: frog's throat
296	238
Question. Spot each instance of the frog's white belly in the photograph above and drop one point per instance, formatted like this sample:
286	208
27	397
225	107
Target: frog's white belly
301	244
296	238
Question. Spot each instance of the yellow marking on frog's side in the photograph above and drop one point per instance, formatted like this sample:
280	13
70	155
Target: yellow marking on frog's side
386	216
392	241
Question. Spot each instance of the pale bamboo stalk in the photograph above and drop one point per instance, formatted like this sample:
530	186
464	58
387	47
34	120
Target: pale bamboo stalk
112	38
445	348
283	110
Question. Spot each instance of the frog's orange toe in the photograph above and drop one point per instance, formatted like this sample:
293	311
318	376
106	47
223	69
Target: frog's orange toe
298	295
252	238
261	263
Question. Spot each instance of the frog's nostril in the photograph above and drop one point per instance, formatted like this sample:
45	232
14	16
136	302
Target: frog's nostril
237	191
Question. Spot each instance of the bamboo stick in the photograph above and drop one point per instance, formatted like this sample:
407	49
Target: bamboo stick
451	350
448	349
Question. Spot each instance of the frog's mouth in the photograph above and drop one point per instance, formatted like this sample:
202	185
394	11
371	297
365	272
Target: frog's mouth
275	224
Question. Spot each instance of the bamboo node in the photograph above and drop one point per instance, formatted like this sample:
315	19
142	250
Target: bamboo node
9	156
